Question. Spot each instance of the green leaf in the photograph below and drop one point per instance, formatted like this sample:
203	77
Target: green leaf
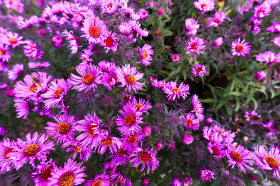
209	100
221	103
228	108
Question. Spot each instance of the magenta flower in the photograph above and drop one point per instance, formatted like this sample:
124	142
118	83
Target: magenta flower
175	92
128	76
141	106
218	18
43	173
240	48
274	28
109	6
102	180
176	182
261	75
144	14
113	143
120	179
75	146
240	157
145	54
32	51
262	10
110	79
212	135
191	123
121	157
125	28
146	157
70	174
276	41
204	5
14	73
191	26
43	64
13	39
6	147
176	57
5	54
22	108
195	45
35	147
188	139
199	70
197	108
217	150
91	76
73	41
64	128
218	42
243	8
269	57
110	42
206	175
130	141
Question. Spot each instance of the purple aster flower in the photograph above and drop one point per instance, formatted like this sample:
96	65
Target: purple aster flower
43	64
22	108
218	42
13	39
269	57
240	157
109	6
187	180
244	7
121	157
146	157
261	75
2	131
199	70
120	179
32	51
110	79
262	10
217	150
75	146
125	28
106	66
175	92
110	42
204	5
144	14
14	73
43	173
188	139
91	76
129	76
211	135
99	180
197	108
64	128
73	41
145	54
176	182
5	54
6	147
274	28
206	175
218	18
176	57
195	45
113	143
70	174
141	106
191	123
191	26
35	147
130	141
276	41
254	117
240	48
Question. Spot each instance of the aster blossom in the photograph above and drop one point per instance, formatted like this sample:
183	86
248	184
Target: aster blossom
120	179
199	70
195	45
268	57
197	108
17	69
32	51
73	145
145	54
262	10
13	39
112	143
204	5
43	173
191	26
175	92
206	175
6	147
5	54
218	18
141	106
240	48
191	122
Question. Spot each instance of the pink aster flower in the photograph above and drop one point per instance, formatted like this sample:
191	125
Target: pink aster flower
6	147
120	179
145	54
121	157
57	41
261	75
70	174
191	26
109	6
218	18
13	39
240	48
217	150
131	141
204	5
43	173
75	146
276	41
35	147
175	92
199	70
188	139
32	51
191	123
176	57
274	28
136	26
211	135
244	7
195	45
86	56
176	182
129	76
125	28
141	106
91	76
73	41
268	160
106	66
99	180
129	120
110	42
95	30
240	157
57	89
206	175
43	64
187	180
262	10
110	79
91	135
144	14
22	108
218	42
5	54
269	57
112	143
14	73
197	108
63	129
146	157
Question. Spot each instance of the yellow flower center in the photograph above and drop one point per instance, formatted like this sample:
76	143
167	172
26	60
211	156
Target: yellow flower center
132	139
129	120
2	52
94	31
88	79
189	122
138	106
175	90
130	79
98	182
63	128
33	88
107	141
13	40
272	162
67	179
236	156
58	92
31	150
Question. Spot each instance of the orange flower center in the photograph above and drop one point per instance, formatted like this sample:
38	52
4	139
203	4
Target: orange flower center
92	129
31	150
33	88
216	151
94	31
98	182
46	173
7	151
144	157
138	106
236	156
121	152
239	48
130	79
129	120
67	179
145	54
76	148
189	122
175	90
272	162
107	141
221	131
132	139
63	128
109	41
58	92
88	79
13	40
2	52
121	180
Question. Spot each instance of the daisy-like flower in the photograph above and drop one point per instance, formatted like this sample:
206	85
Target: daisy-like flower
206	175
191	122
129	76
73	41
22	108
176	57
95	30
136	26
145	54
64	128
85	56
269	57
217	150
195	45
274	28
57	90
218	42
109	6
5	54
43	64
261	75
191	26
212	135
13	39
91	76
14	73
143	13
141	106
276	41
43	173
6	147
71	174
130	141
106	66
92	135
268	160
121	157
175	92
199	70
129	120
187	139
120	179
146	157
125	28
218	18
110	79
110	42
204	5
240	48
99	180
113	143
35	147
244	7
240	157
32	51
75	146
262	10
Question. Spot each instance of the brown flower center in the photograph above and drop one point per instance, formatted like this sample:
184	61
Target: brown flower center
121	152
236	156
272	162
58	92
63	128
67	179
108	141
77	148
216	21
144	156
175	90
121	180
138	106
31	150
216	151
132	139
46	173
113	80
88	79
129	120
130	79
94	31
